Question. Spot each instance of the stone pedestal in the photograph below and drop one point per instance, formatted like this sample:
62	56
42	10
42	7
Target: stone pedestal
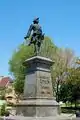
38	93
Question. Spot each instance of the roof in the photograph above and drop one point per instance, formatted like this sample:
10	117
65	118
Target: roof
4	81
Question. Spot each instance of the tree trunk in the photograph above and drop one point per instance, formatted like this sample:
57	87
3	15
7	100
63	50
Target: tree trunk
71	104
75	104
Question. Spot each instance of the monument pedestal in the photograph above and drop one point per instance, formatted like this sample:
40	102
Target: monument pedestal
38	92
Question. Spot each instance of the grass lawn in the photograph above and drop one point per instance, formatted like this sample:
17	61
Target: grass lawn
69	105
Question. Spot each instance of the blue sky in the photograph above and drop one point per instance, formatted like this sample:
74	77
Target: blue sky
60	19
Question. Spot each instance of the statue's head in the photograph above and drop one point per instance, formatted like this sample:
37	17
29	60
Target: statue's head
36	20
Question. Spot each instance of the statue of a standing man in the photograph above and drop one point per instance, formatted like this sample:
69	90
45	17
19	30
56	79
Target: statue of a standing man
37	36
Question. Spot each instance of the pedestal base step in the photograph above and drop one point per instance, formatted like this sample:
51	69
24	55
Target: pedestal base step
37	107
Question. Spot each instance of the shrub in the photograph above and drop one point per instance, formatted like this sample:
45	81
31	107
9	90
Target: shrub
3	110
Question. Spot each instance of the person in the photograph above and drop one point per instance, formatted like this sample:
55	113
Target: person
36	31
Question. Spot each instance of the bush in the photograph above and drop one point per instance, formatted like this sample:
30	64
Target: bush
3	110
7	113
2	97
70	110
10	104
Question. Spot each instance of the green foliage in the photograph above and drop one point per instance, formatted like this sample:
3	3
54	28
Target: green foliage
63	93
2	93
48	49
62	58
3	110
70	89
2	97
7	113
74	81
21	54
16	65
8	90
10	104
68	110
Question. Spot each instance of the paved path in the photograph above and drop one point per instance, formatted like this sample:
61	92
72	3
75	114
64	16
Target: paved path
59	117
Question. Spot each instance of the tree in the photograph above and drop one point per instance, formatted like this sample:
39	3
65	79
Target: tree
16	65
74	80
65	92
70	89
64	60
61	57
2	93
3	110
21	54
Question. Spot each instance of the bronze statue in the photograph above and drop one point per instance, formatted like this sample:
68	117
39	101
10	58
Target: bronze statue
37	36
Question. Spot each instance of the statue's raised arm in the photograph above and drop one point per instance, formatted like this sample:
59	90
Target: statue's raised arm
35	31
29	32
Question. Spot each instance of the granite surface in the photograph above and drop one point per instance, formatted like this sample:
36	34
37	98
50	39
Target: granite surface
38	97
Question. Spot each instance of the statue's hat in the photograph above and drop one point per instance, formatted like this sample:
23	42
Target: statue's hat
36	19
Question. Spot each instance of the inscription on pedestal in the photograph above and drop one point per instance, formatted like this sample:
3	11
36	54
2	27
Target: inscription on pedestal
45	87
